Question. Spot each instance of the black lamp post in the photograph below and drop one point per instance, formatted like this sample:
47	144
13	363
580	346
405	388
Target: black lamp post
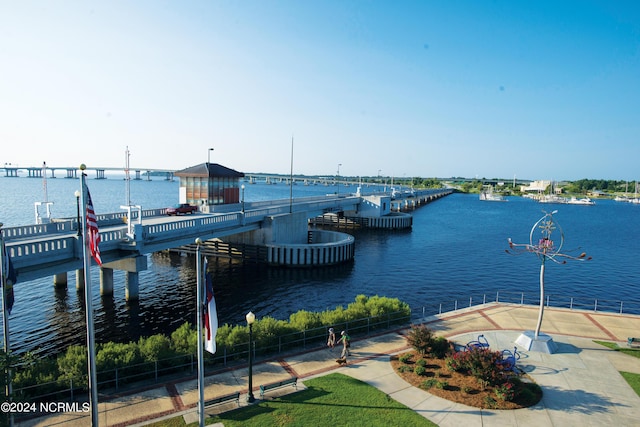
250	319
77	194
242	187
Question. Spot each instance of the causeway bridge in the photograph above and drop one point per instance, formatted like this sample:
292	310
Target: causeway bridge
282	226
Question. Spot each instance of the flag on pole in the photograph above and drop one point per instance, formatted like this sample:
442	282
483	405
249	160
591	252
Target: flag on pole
9	278
210	314
93	235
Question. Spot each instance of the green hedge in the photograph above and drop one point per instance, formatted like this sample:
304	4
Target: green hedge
133	358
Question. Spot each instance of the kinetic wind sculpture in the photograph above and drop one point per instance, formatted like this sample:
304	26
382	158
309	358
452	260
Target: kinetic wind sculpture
545	249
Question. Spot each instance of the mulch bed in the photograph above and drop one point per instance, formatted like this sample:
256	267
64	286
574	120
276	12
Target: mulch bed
462	388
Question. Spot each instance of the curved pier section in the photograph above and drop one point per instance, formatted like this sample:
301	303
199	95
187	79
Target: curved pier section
324	248
394	221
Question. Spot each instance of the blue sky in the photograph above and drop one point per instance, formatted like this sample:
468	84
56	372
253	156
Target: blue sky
539	90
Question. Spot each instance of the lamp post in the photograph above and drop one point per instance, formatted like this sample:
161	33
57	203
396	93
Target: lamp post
242	187
77	194
338	178
250	319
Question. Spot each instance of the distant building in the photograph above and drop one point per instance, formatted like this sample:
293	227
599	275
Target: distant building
209	184
535	187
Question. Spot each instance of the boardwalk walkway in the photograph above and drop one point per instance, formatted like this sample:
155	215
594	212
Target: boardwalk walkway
580	382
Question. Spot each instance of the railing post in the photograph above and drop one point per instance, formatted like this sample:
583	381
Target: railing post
621	307
497	296
595	308
440	310
571	304
484	299
455	306
547	300
522	298
116	379
470	298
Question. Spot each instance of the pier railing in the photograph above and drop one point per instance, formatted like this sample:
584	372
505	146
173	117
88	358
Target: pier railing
523	298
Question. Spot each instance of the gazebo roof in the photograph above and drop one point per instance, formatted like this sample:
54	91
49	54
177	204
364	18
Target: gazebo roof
212	170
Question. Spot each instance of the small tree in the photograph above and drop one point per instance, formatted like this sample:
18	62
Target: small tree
420	337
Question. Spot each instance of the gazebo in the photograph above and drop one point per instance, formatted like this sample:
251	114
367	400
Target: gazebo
209	184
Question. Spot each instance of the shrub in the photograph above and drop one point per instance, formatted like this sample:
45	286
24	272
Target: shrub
405	358
116	355
405	368
420	338
73	364
442	385
303	319
155	348
505	391
479	362
490	402
440	346
185	339
429	383
421	362
420	370
30	371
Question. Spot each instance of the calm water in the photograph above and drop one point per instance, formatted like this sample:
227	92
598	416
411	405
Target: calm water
456	249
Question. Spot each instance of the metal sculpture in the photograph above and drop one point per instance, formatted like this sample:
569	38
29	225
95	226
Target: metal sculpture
545	249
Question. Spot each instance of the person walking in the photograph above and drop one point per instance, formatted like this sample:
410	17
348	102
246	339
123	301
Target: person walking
346	344
331	342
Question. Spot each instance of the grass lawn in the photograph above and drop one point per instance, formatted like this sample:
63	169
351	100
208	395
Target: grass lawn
631	378
330	400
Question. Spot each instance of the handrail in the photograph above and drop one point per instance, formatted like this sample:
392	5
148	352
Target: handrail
522	298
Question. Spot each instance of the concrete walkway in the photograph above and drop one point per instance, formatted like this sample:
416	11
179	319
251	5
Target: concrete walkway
580	382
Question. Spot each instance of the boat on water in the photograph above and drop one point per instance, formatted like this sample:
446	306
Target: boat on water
552	198
488	195
582	201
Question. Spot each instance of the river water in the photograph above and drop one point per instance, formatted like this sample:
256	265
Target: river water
455	250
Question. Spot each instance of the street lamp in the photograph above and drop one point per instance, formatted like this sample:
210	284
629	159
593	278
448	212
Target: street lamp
242	187
77	194
250	319
338	178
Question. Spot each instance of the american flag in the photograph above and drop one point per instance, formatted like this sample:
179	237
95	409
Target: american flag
93	236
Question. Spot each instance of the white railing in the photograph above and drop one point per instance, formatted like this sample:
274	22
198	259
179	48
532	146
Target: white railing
532	299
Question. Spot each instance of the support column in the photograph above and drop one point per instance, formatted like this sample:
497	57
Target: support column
131	285
60	280
131	267
106	281
80	279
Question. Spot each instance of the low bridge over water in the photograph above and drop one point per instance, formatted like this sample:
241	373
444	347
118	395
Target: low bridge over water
282	226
